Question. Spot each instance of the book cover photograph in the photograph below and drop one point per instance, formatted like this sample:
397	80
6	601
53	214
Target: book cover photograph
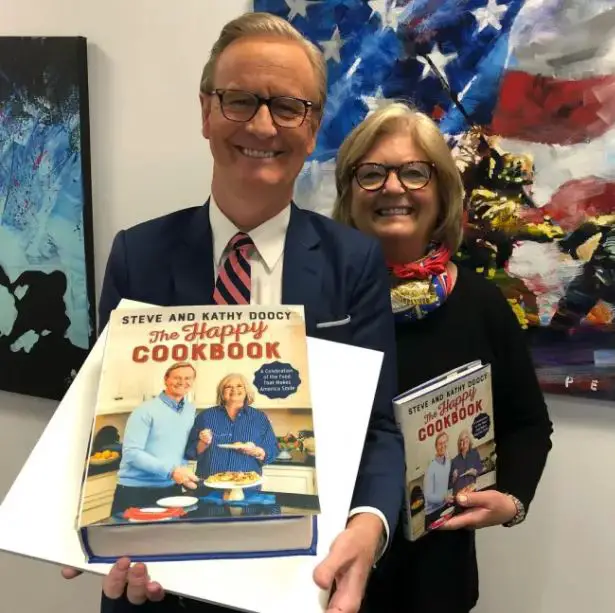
448	429
203	434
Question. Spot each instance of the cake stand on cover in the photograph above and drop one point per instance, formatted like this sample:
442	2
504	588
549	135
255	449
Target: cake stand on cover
233	491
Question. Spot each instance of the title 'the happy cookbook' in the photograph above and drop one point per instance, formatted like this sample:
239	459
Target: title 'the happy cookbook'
202	443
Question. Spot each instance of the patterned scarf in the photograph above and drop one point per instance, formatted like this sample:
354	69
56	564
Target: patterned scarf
420	287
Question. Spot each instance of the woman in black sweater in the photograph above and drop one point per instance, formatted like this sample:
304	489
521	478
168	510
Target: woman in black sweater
396	179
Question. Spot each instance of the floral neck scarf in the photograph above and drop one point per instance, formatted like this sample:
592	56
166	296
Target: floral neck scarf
420	287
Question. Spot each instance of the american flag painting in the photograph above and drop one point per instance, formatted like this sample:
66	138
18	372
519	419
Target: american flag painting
525	92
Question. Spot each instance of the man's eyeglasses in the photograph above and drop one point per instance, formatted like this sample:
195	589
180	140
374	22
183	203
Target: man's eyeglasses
286	111
412	175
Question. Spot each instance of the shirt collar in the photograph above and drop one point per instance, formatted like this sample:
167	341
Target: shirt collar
177	406
268	238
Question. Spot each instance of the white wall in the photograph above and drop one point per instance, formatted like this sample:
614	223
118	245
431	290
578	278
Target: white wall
148	158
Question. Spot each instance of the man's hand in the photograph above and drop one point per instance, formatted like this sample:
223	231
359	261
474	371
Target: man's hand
482	509
349	563
70	573
135	579
122	576
182	475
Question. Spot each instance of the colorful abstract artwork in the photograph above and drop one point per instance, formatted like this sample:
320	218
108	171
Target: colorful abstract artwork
525	92
46	254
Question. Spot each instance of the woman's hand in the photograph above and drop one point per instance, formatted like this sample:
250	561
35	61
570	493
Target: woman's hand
482	509
206	436
252	450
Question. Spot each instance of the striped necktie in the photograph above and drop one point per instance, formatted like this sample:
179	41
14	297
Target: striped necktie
233	282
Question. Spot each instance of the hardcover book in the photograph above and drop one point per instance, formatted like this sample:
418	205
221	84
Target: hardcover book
185	459
447	424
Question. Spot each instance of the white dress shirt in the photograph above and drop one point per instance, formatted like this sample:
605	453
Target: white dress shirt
267	262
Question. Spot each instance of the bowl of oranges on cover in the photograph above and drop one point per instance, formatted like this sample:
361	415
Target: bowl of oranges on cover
104	457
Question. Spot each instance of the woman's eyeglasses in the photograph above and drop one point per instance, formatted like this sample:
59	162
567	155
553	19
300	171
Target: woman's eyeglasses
412	175
286	111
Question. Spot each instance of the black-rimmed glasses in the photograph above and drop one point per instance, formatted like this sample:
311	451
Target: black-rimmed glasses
412	175
286	111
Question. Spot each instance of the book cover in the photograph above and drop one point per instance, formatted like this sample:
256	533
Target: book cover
203	416
448	429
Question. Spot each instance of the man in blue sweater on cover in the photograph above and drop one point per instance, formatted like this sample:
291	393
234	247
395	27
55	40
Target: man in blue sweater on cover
262	95
436	483
153	464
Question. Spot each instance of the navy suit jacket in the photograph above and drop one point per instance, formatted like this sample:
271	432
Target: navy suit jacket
335	271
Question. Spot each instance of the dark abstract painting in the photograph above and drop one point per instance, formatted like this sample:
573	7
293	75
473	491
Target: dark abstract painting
46	260
525	92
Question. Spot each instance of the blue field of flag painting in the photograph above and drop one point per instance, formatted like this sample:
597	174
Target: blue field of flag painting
46	261
524	90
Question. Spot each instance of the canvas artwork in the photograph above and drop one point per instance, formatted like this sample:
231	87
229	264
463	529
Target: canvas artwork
524	90
46	260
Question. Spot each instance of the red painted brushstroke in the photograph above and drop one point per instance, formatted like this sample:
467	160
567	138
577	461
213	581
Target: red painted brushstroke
577	200
553	111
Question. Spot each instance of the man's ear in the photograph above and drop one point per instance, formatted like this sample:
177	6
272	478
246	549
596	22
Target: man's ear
314	127
205	101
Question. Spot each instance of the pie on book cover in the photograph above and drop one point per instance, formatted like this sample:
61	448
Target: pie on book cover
450	448
202	413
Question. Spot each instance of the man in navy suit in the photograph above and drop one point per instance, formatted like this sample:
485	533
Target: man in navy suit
262	95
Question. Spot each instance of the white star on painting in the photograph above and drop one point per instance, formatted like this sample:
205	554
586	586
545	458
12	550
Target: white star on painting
489	15
299	7
389	12
394	15
331	48
378	6
439	60
375	102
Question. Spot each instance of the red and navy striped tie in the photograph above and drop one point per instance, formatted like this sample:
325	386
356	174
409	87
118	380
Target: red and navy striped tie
233	283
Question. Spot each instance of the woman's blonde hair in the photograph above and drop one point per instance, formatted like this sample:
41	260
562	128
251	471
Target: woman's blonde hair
464	434
266	25
395	118
244	382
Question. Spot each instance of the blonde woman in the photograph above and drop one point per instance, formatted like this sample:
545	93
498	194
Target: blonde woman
396	180
232	420
466	466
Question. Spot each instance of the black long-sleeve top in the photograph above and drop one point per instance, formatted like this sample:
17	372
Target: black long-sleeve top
439	573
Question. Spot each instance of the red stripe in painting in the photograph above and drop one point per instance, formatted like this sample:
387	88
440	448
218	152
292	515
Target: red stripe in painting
579	200
554	111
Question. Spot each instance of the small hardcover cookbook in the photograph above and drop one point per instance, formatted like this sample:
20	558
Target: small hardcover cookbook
447	424
185	457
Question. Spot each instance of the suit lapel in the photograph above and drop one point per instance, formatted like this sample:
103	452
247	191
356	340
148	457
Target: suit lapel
192	267
302	273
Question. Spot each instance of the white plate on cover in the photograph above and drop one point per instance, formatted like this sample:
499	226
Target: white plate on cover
173	502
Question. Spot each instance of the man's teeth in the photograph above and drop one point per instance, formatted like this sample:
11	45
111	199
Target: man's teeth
255	153
397	211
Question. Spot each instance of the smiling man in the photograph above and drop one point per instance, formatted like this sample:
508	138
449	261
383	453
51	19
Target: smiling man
153	464
262	94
